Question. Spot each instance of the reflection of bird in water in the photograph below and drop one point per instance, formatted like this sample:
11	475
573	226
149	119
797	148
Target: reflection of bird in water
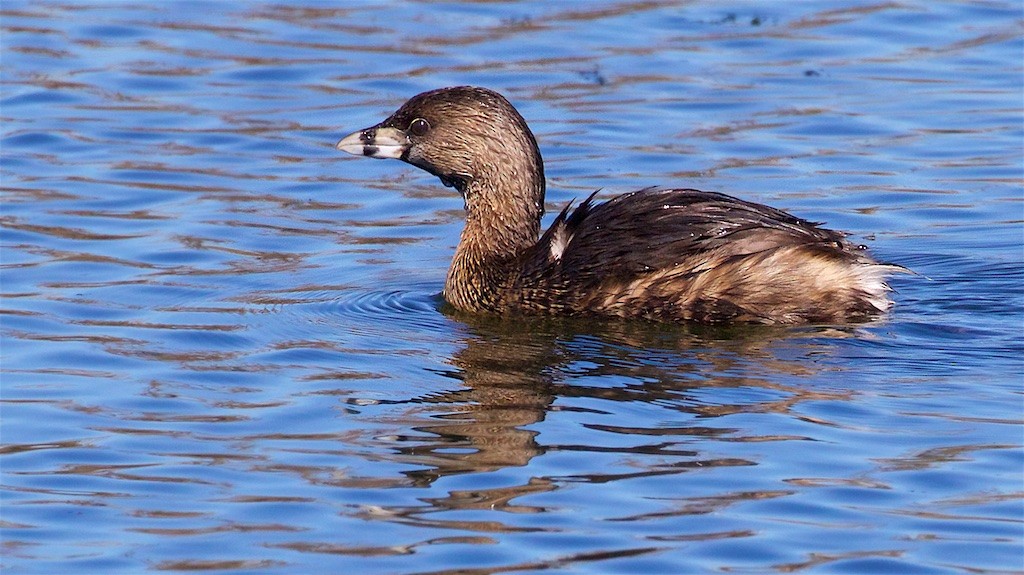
512	375
512	372
507	381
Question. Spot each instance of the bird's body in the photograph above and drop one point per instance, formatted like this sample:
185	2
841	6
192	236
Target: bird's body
659	253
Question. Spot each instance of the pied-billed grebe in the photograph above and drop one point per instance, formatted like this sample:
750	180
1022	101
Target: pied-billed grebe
663	254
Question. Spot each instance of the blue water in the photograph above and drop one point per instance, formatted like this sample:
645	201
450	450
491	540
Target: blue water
223	348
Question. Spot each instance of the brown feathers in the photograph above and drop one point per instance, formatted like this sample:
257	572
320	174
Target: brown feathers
661	254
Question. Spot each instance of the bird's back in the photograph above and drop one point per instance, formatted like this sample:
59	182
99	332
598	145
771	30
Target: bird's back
679	254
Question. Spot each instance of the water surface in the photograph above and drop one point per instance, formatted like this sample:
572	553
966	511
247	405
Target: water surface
223	348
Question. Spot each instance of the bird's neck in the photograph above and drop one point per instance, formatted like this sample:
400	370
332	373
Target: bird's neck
502	220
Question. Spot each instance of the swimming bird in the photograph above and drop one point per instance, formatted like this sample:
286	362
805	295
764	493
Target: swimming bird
666	254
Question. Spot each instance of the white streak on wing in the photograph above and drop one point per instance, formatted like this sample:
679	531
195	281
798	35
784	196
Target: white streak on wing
559	240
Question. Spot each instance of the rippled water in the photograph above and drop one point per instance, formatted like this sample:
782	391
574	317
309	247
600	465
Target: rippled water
223	348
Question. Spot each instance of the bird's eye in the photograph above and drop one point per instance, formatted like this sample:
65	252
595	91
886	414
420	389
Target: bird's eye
419	127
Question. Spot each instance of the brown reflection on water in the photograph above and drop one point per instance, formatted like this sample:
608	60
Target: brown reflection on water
381	550
232	565
936	456
507	388
708	505
560	562
513	375
819	559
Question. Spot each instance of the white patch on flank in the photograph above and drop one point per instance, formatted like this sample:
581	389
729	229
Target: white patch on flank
872	281
559	240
